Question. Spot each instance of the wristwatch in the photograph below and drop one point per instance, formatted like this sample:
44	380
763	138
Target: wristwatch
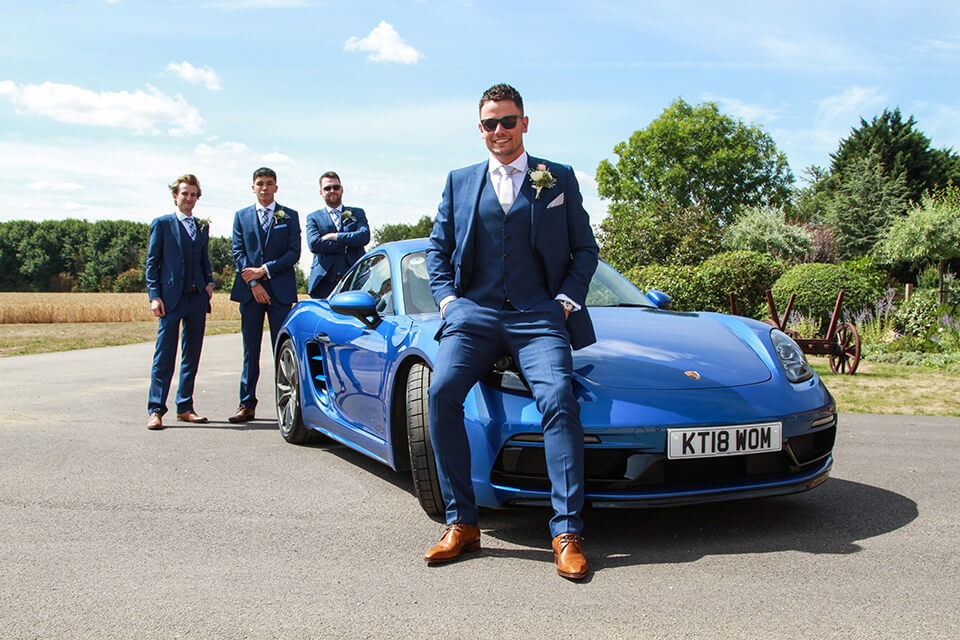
254	283
567	305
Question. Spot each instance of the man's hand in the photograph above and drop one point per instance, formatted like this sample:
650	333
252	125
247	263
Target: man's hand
332	237
260	295
253	273
210	290
156	306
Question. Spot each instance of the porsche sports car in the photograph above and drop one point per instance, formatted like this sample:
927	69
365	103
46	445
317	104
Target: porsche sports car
677	408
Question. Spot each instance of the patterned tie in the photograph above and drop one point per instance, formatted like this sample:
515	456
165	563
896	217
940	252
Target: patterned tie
506	187
337	219
191	227
265	219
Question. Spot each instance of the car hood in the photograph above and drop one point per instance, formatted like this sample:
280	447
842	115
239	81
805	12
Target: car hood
659	350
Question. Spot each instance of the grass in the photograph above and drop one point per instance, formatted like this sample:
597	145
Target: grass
892	389
25	339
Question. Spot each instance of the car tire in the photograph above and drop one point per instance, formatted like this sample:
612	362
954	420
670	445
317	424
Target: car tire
289	418
423	465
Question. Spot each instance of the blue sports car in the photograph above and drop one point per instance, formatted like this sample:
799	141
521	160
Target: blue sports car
677	408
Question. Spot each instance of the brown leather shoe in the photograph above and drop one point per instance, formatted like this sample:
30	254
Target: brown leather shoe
155	422
243	414
455	540
568	554
191	416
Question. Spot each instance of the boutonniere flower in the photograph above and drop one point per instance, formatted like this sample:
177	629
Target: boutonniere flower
202	223
541	178
280	215
346	216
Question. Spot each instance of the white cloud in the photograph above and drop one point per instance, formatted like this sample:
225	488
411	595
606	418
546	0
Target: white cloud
744	110
142	111
277	158
384	45
47	186
194	75
848	106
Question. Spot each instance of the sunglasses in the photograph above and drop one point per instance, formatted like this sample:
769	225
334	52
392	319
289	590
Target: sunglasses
333	187
507	122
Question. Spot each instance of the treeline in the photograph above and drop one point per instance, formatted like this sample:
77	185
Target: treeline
77	255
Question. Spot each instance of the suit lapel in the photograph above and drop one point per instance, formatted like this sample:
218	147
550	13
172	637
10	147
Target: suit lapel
256	234
175	229
472	190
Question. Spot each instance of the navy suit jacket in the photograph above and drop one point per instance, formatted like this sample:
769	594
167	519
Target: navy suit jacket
560	235
165	260
279	251
349	245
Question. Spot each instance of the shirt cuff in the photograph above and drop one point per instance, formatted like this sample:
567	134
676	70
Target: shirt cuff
265	268
445	302
561	296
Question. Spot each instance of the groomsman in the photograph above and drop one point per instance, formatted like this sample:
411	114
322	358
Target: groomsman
510	260
336	235
266	247
180	286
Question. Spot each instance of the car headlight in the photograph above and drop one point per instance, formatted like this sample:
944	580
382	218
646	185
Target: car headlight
791	356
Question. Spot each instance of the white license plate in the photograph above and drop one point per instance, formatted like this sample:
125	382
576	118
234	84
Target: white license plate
712	442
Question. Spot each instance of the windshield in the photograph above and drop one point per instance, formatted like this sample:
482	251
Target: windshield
607	289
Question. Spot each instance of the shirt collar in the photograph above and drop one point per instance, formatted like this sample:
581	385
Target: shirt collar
181	216
520	163
270	207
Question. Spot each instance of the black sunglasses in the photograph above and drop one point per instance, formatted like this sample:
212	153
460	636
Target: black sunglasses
333	187
507	122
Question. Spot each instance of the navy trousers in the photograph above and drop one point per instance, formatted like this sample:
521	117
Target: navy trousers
472	338
251	328
191	310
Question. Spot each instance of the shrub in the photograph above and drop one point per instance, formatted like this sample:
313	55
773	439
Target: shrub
130	281
683	283
816	287
747	274
919	316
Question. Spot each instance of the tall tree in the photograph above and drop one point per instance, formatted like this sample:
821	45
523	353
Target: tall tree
696	156
866	201
902	149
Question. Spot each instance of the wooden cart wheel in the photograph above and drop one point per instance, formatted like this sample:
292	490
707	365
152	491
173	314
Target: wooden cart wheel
846	355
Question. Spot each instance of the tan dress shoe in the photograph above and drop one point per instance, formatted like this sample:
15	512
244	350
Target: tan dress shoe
568	554
155	422
191	416
243	414
455	540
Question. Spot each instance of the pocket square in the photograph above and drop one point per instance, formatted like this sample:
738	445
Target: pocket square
280	226
556	202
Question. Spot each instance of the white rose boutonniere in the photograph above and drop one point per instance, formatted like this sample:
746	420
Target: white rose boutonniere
541	178
280	215
202	223
346	216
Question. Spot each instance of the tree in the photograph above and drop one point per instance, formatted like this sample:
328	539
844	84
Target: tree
865	202
930	233
658	233
811	201
696	156
902	150
764	230
401	231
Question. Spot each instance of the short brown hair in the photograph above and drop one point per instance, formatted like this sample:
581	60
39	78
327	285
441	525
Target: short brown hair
330	174
502	92
190	179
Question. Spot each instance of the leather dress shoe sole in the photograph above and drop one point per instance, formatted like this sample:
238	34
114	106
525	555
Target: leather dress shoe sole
567	574
473	546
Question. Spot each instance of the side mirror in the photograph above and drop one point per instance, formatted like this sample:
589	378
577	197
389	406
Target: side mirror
659	298
358	304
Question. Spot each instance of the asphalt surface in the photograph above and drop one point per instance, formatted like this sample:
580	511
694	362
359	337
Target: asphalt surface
108	530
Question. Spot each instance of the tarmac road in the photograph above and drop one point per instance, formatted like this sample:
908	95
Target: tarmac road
108	530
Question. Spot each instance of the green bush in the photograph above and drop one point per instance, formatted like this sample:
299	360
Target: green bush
816	286
747	274
684	284
919	316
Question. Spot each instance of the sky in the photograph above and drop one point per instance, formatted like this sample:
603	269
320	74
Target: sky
104	102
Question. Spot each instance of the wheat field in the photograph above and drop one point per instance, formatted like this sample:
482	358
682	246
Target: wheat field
45	308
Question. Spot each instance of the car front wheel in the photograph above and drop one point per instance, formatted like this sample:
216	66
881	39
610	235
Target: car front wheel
426	484
289	417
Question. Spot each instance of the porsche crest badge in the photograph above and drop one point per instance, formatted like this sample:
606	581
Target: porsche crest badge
692	374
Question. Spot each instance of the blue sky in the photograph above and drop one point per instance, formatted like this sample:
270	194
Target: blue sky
102	102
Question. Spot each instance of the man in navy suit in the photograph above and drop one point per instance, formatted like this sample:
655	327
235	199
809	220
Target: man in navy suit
336	235
180	286
266	247
510	259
